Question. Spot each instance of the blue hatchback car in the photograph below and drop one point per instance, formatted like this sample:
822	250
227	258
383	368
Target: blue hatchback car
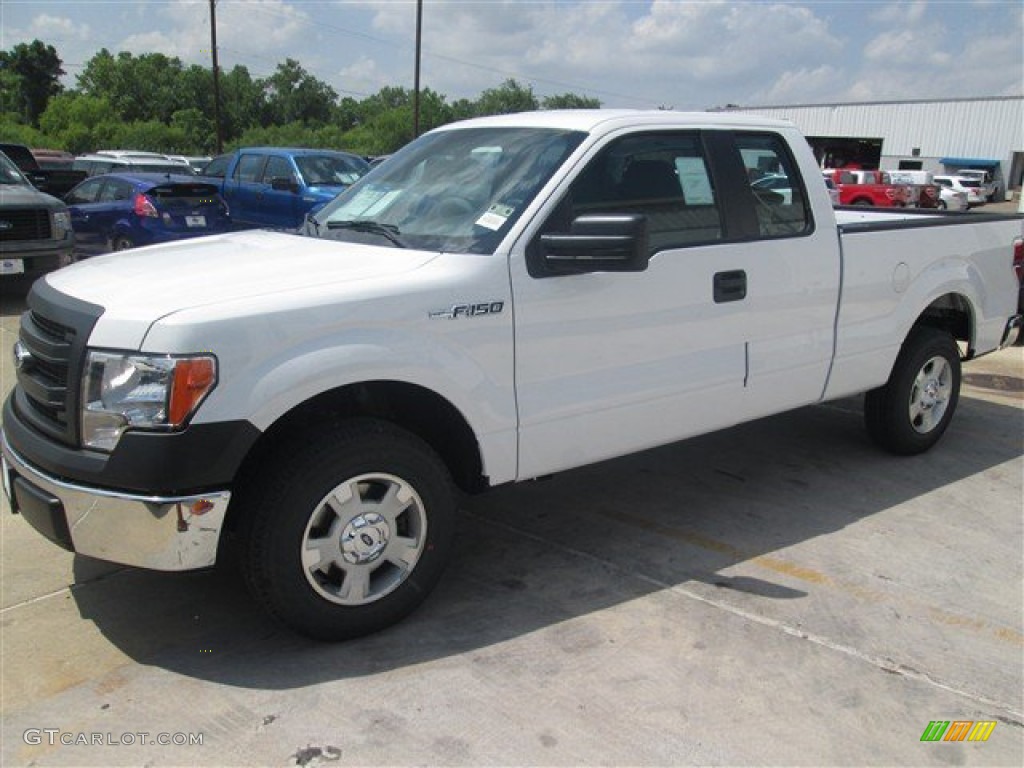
116	211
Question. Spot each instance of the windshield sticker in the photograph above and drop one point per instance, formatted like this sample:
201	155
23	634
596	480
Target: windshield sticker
371	201
495	217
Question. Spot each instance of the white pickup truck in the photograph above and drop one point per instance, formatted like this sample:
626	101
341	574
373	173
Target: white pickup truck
504	298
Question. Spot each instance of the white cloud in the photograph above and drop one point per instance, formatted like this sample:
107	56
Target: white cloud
803	86
900	13
362	77
45	27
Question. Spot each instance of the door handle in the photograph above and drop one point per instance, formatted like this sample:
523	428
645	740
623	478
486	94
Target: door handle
730	286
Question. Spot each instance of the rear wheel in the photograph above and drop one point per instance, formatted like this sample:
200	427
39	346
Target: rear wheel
350	532
911	411
121	243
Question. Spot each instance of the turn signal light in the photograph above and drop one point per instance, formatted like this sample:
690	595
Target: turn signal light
193	378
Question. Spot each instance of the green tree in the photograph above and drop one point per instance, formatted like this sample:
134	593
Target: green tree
294	95
34	71
242	102
151	86
508	97
151	136
80	123
197	129
569	101
16	132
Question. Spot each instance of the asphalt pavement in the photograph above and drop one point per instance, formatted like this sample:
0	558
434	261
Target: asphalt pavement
780	593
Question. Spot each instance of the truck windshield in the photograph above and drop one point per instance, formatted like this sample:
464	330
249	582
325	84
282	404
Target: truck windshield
330	170
9	173
458	191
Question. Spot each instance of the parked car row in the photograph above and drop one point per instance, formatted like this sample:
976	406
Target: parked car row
910	189
130	161
119	199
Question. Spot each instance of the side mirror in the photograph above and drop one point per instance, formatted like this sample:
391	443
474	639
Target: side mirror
283	184
597	243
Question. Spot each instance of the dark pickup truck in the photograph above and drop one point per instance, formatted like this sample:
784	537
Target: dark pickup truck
35	228
276	187
53	181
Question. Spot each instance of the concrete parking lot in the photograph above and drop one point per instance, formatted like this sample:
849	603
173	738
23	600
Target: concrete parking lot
776	594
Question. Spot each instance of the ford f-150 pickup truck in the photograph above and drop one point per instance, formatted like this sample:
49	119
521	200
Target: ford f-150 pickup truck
871	188
503	299
276	187
35	228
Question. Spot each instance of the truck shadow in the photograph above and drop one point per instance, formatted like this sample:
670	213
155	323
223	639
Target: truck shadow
535	555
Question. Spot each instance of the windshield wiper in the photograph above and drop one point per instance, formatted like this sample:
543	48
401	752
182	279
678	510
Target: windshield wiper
388	231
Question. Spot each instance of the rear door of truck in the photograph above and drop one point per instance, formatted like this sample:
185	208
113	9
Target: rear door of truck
732	319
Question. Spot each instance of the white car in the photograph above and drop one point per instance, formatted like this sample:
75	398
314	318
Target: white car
970	187
952	200
989	186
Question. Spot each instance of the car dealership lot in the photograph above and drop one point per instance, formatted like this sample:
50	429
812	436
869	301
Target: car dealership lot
776	593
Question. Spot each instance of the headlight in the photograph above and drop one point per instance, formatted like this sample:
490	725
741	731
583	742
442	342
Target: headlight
122	391
61	224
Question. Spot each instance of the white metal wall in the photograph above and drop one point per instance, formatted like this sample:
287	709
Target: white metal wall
988	128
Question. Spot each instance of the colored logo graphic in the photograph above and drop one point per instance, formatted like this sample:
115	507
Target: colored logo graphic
958	730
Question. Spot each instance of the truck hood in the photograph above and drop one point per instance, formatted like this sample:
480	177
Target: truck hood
137	287
19	196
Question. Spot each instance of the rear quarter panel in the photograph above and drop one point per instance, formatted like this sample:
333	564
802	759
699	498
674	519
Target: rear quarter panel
891	275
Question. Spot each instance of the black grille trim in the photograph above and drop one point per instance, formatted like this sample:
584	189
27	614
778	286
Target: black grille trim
54	331
26	224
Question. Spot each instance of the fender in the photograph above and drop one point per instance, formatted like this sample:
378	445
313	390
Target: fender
892	276
268	365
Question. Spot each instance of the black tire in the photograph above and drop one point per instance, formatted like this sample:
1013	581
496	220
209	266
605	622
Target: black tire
911	411
121	243
334	566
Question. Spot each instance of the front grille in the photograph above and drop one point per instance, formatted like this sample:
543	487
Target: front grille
43	376
25	225
53	333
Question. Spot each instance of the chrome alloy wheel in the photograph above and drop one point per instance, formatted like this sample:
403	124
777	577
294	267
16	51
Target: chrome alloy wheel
363	539
930	394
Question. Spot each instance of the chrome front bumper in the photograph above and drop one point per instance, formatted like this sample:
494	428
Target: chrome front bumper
178	533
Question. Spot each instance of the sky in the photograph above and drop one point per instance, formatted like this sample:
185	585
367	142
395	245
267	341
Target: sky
626	53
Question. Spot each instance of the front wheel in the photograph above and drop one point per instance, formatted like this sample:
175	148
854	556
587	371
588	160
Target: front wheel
911	411
349	533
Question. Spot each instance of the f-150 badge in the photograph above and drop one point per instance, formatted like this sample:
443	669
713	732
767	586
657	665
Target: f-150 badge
468	310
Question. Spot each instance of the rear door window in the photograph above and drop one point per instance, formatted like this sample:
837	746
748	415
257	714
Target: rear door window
86	192
116	189
780	200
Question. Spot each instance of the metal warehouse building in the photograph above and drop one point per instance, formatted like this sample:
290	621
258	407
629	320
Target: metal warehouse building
938	136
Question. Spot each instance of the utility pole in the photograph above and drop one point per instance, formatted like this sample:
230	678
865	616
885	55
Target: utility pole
416	86
216	76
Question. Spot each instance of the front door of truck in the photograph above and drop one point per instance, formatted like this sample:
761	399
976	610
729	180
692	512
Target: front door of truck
610	363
